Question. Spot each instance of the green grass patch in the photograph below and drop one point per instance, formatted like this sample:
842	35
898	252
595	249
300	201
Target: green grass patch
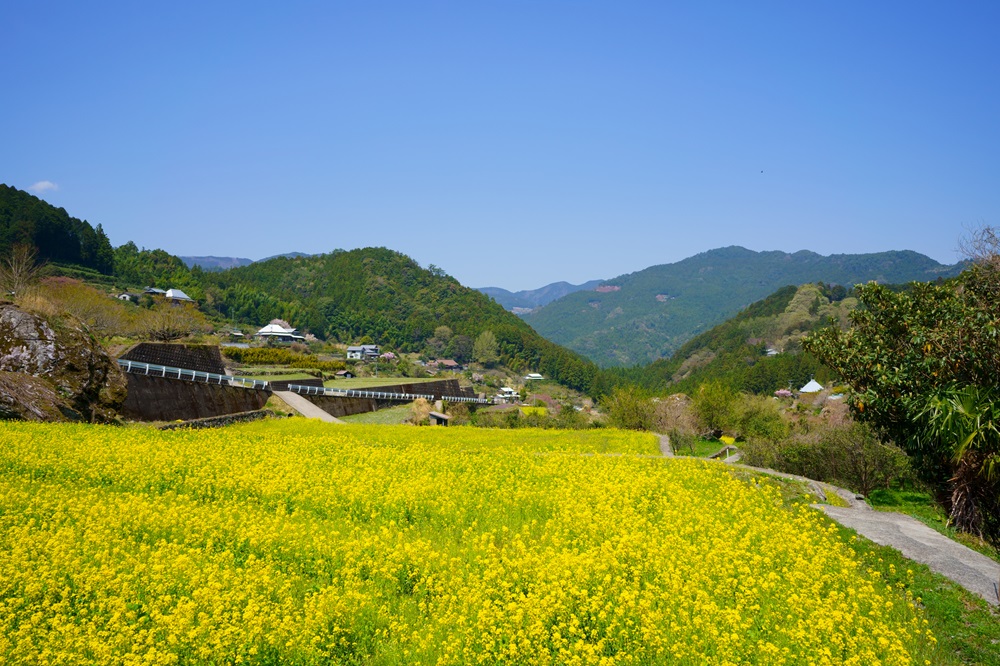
966	627
389	416
370	382
699	447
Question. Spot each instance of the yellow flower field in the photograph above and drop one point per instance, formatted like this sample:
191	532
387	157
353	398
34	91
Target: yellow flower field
305	543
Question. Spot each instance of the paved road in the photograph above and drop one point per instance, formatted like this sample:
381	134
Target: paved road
973	571
304	407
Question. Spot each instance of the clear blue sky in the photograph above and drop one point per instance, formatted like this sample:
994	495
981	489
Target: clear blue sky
510	143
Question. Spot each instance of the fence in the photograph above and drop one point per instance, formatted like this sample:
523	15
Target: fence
377	395
153	370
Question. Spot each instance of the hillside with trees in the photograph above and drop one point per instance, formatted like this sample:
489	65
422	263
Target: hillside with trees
757	351
51	232
644	316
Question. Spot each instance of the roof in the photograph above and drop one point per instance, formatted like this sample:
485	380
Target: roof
363	348
812	387
153	290
275	329
178	295
533	375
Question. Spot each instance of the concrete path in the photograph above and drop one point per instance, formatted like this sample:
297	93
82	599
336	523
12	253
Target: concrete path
305	408
916	541
973	571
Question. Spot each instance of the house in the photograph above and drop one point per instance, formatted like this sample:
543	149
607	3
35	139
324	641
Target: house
153	291
278	333
771	351
177	296
449	364
507	395
533	376
437	418
812	387
363	352
128	296
344	374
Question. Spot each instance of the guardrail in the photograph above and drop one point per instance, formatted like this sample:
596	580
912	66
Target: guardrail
377	395
153	370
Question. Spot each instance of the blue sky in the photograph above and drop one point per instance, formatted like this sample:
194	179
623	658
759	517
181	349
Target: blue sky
512	144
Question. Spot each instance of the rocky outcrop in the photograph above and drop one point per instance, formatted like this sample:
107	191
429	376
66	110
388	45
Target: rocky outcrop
53	369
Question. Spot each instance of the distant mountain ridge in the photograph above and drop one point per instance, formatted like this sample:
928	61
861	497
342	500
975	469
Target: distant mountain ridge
210	263
647	315
530	299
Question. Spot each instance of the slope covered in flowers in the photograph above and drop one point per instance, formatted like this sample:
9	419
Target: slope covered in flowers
304	543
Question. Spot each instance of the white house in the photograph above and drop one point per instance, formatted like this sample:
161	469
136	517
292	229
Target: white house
362	352
178	296
278	333
533	375
507	395
812	387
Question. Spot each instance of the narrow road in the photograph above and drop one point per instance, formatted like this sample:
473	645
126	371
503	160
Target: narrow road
973	571
305	408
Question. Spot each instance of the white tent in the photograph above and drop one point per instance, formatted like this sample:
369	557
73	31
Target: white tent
812	387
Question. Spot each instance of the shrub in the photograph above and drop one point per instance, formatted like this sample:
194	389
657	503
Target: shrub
629	409
850	456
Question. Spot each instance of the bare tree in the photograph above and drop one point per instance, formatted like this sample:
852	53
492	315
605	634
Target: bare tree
18	271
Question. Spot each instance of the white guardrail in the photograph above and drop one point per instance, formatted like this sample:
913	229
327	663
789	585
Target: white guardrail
377	395
153	370
167	372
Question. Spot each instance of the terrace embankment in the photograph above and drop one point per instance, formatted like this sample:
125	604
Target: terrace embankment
164	399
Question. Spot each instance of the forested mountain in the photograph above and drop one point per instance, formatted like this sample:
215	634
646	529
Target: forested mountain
757	351
55	236
535	298
641	317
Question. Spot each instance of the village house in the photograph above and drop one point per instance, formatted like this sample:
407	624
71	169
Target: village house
362	352
278	333
344	374
176	296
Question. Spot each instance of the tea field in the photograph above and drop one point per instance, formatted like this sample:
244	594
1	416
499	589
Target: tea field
295	542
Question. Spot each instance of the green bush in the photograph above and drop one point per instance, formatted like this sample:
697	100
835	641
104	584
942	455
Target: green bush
851	456
629	408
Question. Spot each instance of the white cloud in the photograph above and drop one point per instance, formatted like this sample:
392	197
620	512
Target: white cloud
43	186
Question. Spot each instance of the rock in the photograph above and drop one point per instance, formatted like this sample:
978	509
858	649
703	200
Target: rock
52	368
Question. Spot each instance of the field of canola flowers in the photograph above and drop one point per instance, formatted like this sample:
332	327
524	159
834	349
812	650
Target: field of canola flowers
303	543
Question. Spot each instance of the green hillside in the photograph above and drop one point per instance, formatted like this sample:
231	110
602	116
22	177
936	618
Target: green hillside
648	315
736	351
55	236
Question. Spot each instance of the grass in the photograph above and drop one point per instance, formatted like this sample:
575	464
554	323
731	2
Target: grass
921	505
965	625
280	377
389	416
703	448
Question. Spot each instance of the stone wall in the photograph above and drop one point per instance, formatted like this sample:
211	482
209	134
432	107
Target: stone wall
160	399
203	358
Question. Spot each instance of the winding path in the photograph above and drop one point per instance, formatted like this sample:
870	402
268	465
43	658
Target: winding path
916	541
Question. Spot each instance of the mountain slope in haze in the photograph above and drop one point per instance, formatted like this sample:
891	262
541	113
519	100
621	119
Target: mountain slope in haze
647	315
536	298
215	263
225	263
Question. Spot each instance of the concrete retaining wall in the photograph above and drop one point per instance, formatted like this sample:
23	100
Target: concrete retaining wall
160	399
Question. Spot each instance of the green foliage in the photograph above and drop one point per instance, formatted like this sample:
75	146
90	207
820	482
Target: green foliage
486	349
916	361
629	408
656	310
53	234
717	407
850	456
279	356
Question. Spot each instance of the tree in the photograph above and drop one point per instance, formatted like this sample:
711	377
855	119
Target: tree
486	349
18	271
629	408
922	364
